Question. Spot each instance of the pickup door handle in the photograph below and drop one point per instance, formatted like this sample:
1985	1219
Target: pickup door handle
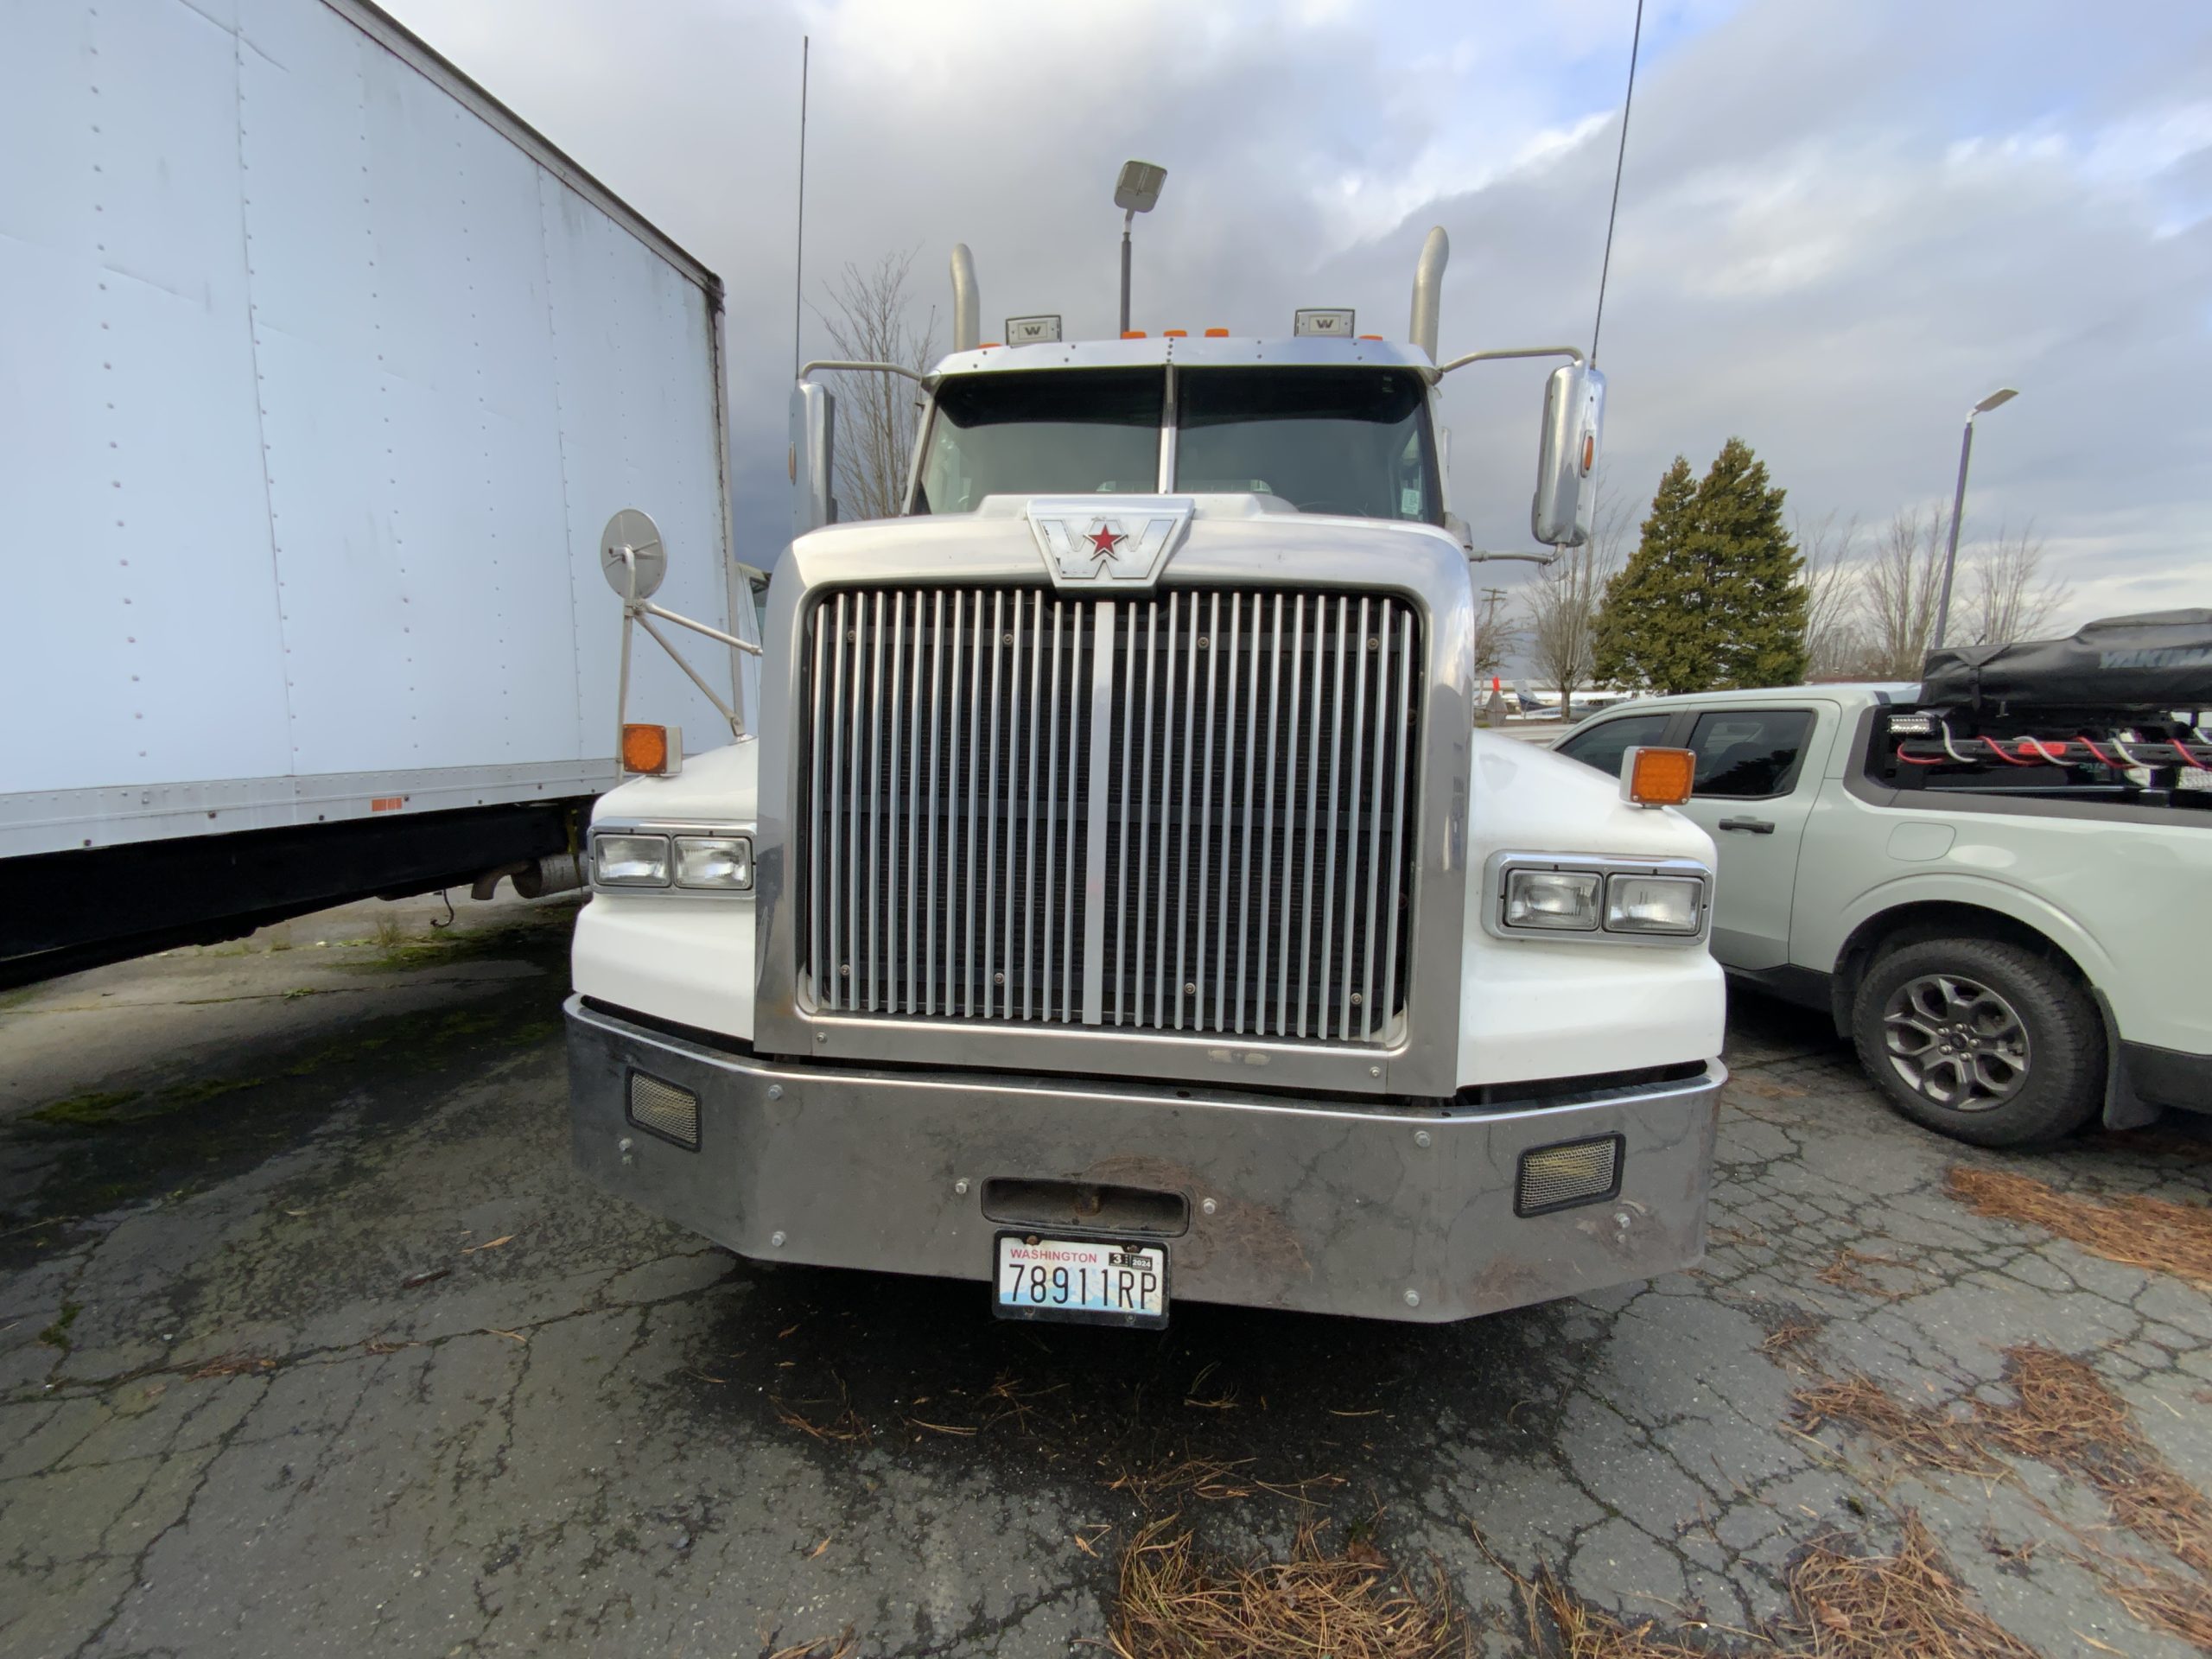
1753	826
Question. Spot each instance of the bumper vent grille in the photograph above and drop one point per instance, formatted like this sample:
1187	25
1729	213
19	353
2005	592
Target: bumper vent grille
1187	812
665	1108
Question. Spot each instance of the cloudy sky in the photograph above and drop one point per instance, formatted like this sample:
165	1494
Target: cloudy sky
1842	220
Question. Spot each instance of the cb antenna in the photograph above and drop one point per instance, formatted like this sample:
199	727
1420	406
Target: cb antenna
1628	101
798	242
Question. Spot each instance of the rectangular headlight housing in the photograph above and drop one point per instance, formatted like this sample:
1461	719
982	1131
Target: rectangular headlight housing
722	863
630	860
1654	904
1562	901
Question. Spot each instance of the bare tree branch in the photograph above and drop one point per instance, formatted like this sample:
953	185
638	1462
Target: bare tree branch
1559	606
876	414
2009	597
1835	638
1900	589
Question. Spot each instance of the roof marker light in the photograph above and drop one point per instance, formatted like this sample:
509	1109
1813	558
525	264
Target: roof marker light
1132	333
1216	334
1174	333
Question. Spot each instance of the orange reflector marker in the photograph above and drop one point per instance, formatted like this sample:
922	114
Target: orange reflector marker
1216	334
650	749
1657	777
1132	333
1370	336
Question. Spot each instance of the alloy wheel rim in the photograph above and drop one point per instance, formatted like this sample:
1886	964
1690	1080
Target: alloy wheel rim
1955	1042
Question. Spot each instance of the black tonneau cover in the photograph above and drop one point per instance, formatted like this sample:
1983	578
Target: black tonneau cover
2161	660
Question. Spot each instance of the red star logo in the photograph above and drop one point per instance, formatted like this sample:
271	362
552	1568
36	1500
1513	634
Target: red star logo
1103	541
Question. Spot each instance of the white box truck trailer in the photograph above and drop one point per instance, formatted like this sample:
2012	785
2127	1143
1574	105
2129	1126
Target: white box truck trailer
321	372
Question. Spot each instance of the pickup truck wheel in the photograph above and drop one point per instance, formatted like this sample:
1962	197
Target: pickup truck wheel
1981	1040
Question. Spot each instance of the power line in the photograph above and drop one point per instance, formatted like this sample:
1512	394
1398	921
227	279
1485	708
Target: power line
1620	161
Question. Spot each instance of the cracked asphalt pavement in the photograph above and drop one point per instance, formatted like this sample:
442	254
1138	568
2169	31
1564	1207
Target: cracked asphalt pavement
311	1341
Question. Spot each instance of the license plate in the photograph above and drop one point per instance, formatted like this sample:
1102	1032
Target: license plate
1083	1281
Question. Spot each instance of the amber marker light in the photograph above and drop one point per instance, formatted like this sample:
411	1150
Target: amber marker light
1657	777
655	750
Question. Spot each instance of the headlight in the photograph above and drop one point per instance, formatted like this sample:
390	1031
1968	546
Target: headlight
1652	904
1567	900
719	861
630	860
1599	898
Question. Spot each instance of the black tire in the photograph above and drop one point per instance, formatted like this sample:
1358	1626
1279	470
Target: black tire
2025	1064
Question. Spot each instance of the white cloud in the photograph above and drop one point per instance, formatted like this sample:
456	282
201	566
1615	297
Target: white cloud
1842	220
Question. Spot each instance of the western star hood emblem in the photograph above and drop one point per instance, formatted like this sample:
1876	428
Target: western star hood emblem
1120	541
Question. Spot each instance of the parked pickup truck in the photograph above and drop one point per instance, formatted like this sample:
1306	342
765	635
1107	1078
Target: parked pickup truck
2006	943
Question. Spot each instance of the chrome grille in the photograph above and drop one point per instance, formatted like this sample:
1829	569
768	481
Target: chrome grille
1186	813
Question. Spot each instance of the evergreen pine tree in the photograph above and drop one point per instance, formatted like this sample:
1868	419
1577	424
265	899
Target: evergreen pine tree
1650	629
1756	593
1713	596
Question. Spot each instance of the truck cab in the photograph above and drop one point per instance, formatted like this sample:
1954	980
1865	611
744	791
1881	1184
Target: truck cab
1131	909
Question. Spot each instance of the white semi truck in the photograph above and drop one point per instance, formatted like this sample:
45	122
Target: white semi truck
320	371
1115	901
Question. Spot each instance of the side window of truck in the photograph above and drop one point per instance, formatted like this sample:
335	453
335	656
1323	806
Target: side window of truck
1604	742
1750	754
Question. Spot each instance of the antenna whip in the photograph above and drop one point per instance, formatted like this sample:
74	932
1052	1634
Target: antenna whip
1628	101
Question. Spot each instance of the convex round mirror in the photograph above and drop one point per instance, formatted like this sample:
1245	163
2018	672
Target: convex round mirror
632	532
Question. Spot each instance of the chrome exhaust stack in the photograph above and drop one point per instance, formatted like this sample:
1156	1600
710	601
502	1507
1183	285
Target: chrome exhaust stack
1429	291
966	304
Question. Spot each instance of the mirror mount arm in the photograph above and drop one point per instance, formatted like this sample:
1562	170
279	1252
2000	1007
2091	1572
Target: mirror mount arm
1483	556
917	378
1572	353
641	612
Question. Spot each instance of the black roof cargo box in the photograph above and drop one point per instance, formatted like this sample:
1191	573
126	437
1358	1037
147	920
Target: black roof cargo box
2162	660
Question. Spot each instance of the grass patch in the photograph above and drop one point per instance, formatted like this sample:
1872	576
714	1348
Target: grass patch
1173	1601
2156	1234
89	1111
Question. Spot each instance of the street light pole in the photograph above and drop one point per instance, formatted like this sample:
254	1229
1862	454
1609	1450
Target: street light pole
2002	394
1128	218
1135	192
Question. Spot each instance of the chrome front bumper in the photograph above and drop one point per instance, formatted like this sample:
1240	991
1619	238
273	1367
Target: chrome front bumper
1389	1212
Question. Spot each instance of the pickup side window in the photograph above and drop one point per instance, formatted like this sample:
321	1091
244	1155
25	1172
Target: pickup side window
1749	754
1602	744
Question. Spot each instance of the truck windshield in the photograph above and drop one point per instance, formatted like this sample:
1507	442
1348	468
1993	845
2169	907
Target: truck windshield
1325	439
1354	440
1043	432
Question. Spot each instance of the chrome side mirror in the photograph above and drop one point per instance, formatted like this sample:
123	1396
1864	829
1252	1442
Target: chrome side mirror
1566	465
813	459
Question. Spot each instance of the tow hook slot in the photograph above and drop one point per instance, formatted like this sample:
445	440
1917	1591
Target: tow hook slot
1089	1206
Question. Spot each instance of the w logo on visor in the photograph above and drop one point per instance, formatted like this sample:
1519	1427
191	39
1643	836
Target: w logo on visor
1090	541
